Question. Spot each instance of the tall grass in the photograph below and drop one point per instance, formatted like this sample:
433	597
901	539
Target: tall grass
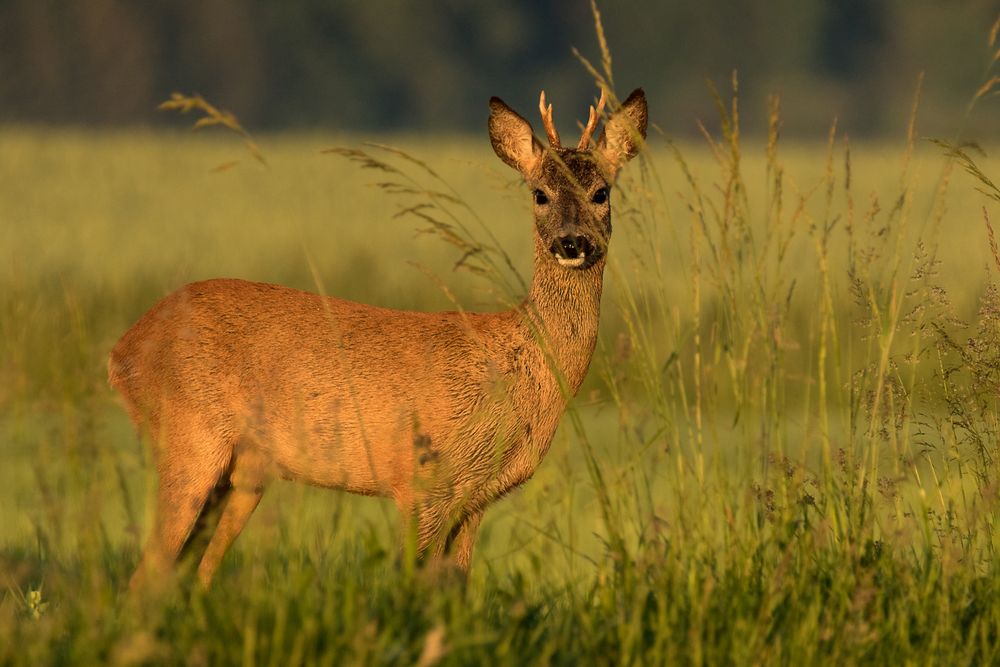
785	452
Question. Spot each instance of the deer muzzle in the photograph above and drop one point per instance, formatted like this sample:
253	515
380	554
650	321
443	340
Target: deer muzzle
575	251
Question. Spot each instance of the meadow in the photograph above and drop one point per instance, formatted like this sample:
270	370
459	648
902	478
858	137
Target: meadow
785	451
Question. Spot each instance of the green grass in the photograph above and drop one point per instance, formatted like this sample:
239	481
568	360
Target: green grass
784	452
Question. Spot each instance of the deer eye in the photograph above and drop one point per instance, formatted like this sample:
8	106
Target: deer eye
540	198
601	196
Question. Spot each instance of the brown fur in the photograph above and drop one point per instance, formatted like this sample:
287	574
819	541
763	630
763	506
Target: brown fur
239	382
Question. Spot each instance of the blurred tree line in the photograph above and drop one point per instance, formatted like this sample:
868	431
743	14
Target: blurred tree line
395	65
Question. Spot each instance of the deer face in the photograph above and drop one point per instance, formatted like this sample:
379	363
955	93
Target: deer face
572	206
571	188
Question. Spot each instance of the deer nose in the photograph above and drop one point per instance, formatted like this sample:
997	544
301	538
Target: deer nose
573	246
574	250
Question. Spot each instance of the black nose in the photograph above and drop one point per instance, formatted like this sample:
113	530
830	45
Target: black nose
572	246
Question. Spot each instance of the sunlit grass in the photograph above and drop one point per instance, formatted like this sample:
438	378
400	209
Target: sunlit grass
765	514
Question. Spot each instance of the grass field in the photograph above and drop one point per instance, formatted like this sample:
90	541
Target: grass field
785	452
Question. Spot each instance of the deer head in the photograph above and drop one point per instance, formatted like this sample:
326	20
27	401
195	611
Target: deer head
571	187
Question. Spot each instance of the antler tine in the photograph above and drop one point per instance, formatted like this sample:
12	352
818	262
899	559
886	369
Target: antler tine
550	129
595	115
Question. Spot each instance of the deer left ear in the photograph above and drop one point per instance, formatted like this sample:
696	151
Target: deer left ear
625	131
513	139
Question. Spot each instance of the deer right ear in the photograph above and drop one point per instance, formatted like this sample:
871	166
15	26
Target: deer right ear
624	131
512	138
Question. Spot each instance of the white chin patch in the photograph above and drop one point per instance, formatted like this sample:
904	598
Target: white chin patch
575	262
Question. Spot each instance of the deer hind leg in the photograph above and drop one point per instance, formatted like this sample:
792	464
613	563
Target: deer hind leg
247	490
206	522
191	469
178	507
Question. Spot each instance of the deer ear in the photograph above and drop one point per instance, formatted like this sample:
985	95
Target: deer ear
624	131
513	139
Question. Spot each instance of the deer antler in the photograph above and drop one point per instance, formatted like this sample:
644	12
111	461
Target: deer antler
595	115
550	129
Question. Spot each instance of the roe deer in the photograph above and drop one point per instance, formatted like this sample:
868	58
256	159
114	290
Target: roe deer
238	383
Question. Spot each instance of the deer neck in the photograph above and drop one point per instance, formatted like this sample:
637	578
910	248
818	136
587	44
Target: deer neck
563	309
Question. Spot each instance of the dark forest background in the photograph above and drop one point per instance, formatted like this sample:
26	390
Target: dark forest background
377	65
